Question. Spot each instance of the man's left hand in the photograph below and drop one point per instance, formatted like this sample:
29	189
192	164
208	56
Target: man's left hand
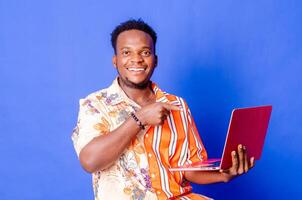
240	164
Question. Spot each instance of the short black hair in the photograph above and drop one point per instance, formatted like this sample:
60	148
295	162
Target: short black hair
132	24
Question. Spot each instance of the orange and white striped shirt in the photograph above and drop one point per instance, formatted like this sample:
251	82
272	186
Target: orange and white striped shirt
142	171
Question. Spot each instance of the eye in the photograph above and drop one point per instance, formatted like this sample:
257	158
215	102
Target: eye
125	53
146	53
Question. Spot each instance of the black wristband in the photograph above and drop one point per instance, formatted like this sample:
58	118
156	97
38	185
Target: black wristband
139	123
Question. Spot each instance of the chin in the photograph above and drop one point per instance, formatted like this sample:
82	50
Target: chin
137	84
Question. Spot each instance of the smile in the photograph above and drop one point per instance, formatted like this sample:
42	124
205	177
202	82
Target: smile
134	69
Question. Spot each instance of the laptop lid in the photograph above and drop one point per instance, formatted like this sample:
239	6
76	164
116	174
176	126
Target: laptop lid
248	126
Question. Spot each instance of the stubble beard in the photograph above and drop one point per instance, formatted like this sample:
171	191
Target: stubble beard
142	85
130	84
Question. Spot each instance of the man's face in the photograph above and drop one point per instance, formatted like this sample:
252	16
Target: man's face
135	59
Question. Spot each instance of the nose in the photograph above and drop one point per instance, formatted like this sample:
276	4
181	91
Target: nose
136	57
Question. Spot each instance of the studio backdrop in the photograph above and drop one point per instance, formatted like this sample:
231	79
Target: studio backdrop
218	55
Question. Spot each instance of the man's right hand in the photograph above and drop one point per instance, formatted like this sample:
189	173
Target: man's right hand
155	113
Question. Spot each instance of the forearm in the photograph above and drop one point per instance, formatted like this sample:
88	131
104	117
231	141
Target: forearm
102	151
205	177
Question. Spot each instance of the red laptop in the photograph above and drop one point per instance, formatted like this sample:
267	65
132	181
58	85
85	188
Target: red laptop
248	126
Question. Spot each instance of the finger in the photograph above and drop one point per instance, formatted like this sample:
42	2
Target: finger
171	107
252	162
241	159
246	162
234	161
224	171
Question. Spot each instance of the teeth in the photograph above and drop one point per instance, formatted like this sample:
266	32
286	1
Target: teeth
136	69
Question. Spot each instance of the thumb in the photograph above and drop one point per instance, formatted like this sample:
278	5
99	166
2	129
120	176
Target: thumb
224	170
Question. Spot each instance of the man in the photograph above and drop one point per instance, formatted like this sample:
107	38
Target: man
130	134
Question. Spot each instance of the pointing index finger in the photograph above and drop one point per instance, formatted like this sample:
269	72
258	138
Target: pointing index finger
171	107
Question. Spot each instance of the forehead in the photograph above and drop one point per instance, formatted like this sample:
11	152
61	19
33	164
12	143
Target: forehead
134	38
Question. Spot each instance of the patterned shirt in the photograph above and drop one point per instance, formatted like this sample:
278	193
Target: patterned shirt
142	171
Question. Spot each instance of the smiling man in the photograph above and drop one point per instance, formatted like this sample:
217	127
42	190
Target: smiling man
129	134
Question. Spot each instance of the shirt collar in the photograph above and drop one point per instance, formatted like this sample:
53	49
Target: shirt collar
118	95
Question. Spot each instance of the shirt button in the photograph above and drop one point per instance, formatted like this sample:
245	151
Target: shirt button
152	175
147	135
150	155
158	192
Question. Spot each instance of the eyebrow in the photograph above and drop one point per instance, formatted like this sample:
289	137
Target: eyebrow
127	47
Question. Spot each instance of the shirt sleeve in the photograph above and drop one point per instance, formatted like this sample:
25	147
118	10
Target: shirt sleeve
92	122
197	151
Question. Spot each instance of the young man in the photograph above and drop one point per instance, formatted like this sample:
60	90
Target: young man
129	134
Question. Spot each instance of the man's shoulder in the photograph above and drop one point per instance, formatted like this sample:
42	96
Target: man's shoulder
166	96
95	96
175	99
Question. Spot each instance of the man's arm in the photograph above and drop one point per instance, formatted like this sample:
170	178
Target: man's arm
240	165
103	150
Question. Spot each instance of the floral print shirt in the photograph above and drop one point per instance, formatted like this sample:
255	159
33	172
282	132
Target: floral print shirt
142	171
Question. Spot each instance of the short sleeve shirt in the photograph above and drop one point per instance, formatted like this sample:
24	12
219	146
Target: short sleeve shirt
142	171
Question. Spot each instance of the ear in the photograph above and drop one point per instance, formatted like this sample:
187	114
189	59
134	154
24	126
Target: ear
156	61
114	61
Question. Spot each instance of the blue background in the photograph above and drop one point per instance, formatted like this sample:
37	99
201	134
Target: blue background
216	54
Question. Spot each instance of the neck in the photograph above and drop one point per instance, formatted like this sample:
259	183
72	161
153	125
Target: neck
141	96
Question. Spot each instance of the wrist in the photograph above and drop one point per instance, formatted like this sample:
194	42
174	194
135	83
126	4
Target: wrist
137	120
140	117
